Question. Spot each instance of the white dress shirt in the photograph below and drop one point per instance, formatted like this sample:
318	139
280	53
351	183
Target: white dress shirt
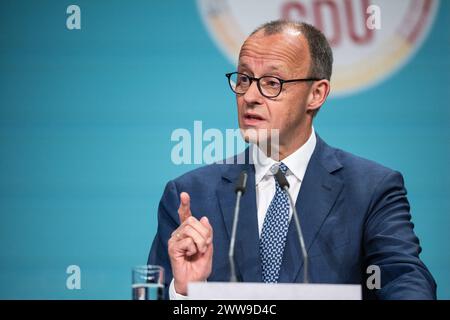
297	162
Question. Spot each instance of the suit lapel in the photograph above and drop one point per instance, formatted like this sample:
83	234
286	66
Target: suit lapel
247	257
318	193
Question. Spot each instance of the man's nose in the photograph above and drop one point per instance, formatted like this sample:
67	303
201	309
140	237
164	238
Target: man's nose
253	95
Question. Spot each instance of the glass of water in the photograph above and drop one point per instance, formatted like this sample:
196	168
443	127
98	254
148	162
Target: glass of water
148	283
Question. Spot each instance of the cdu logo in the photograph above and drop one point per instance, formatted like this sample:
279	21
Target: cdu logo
371	39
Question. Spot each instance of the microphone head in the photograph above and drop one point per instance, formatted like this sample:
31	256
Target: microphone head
281	178
241	183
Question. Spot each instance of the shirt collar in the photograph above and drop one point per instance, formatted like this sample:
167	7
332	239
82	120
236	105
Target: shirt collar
297	162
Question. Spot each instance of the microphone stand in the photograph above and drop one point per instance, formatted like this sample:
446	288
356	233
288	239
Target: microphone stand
240	189
284	184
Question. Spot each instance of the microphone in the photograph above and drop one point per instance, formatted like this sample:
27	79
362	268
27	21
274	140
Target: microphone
239	190
284	184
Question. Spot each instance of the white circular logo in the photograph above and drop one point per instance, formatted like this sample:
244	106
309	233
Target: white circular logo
370	39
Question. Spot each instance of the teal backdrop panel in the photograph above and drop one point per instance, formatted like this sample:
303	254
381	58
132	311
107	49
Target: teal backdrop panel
86	118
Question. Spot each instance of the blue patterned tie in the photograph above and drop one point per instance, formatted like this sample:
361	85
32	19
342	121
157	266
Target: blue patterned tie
274	233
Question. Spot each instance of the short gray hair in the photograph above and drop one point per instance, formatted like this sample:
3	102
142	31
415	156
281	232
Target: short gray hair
319	48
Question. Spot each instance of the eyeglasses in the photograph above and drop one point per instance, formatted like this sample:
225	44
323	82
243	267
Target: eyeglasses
268	86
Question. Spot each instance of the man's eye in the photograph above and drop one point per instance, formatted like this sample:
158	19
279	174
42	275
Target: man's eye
272	83
243	79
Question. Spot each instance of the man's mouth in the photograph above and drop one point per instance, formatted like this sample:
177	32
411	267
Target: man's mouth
251	119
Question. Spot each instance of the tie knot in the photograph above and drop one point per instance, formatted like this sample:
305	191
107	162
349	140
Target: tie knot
283	167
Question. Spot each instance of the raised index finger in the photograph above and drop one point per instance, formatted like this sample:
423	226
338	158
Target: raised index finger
184	211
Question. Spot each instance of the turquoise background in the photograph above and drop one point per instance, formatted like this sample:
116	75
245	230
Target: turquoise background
86	118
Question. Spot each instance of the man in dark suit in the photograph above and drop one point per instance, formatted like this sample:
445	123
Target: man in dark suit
354	212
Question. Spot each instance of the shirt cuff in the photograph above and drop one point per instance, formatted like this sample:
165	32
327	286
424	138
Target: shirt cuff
173	295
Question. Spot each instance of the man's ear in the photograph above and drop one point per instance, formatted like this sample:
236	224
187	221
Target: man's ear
318	94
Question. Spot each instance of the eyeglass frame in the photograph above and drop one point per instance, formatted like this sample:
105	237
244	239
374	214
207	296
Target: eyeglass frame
282	81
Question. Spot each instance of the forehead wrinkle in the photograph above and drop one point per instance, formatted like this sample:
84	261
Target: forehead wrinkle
274	61
272	65
259	52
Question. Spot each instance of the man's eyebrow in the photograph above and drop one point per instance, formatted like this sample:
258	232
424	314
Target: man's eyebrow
275	68
243	65
271	68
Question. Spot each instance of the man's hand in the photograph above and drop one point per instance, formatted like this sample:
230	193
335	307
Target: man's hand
190	248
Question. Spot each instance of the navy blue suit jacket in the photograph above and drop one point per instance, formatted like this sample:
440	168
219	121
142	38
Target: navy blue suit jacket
354	213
